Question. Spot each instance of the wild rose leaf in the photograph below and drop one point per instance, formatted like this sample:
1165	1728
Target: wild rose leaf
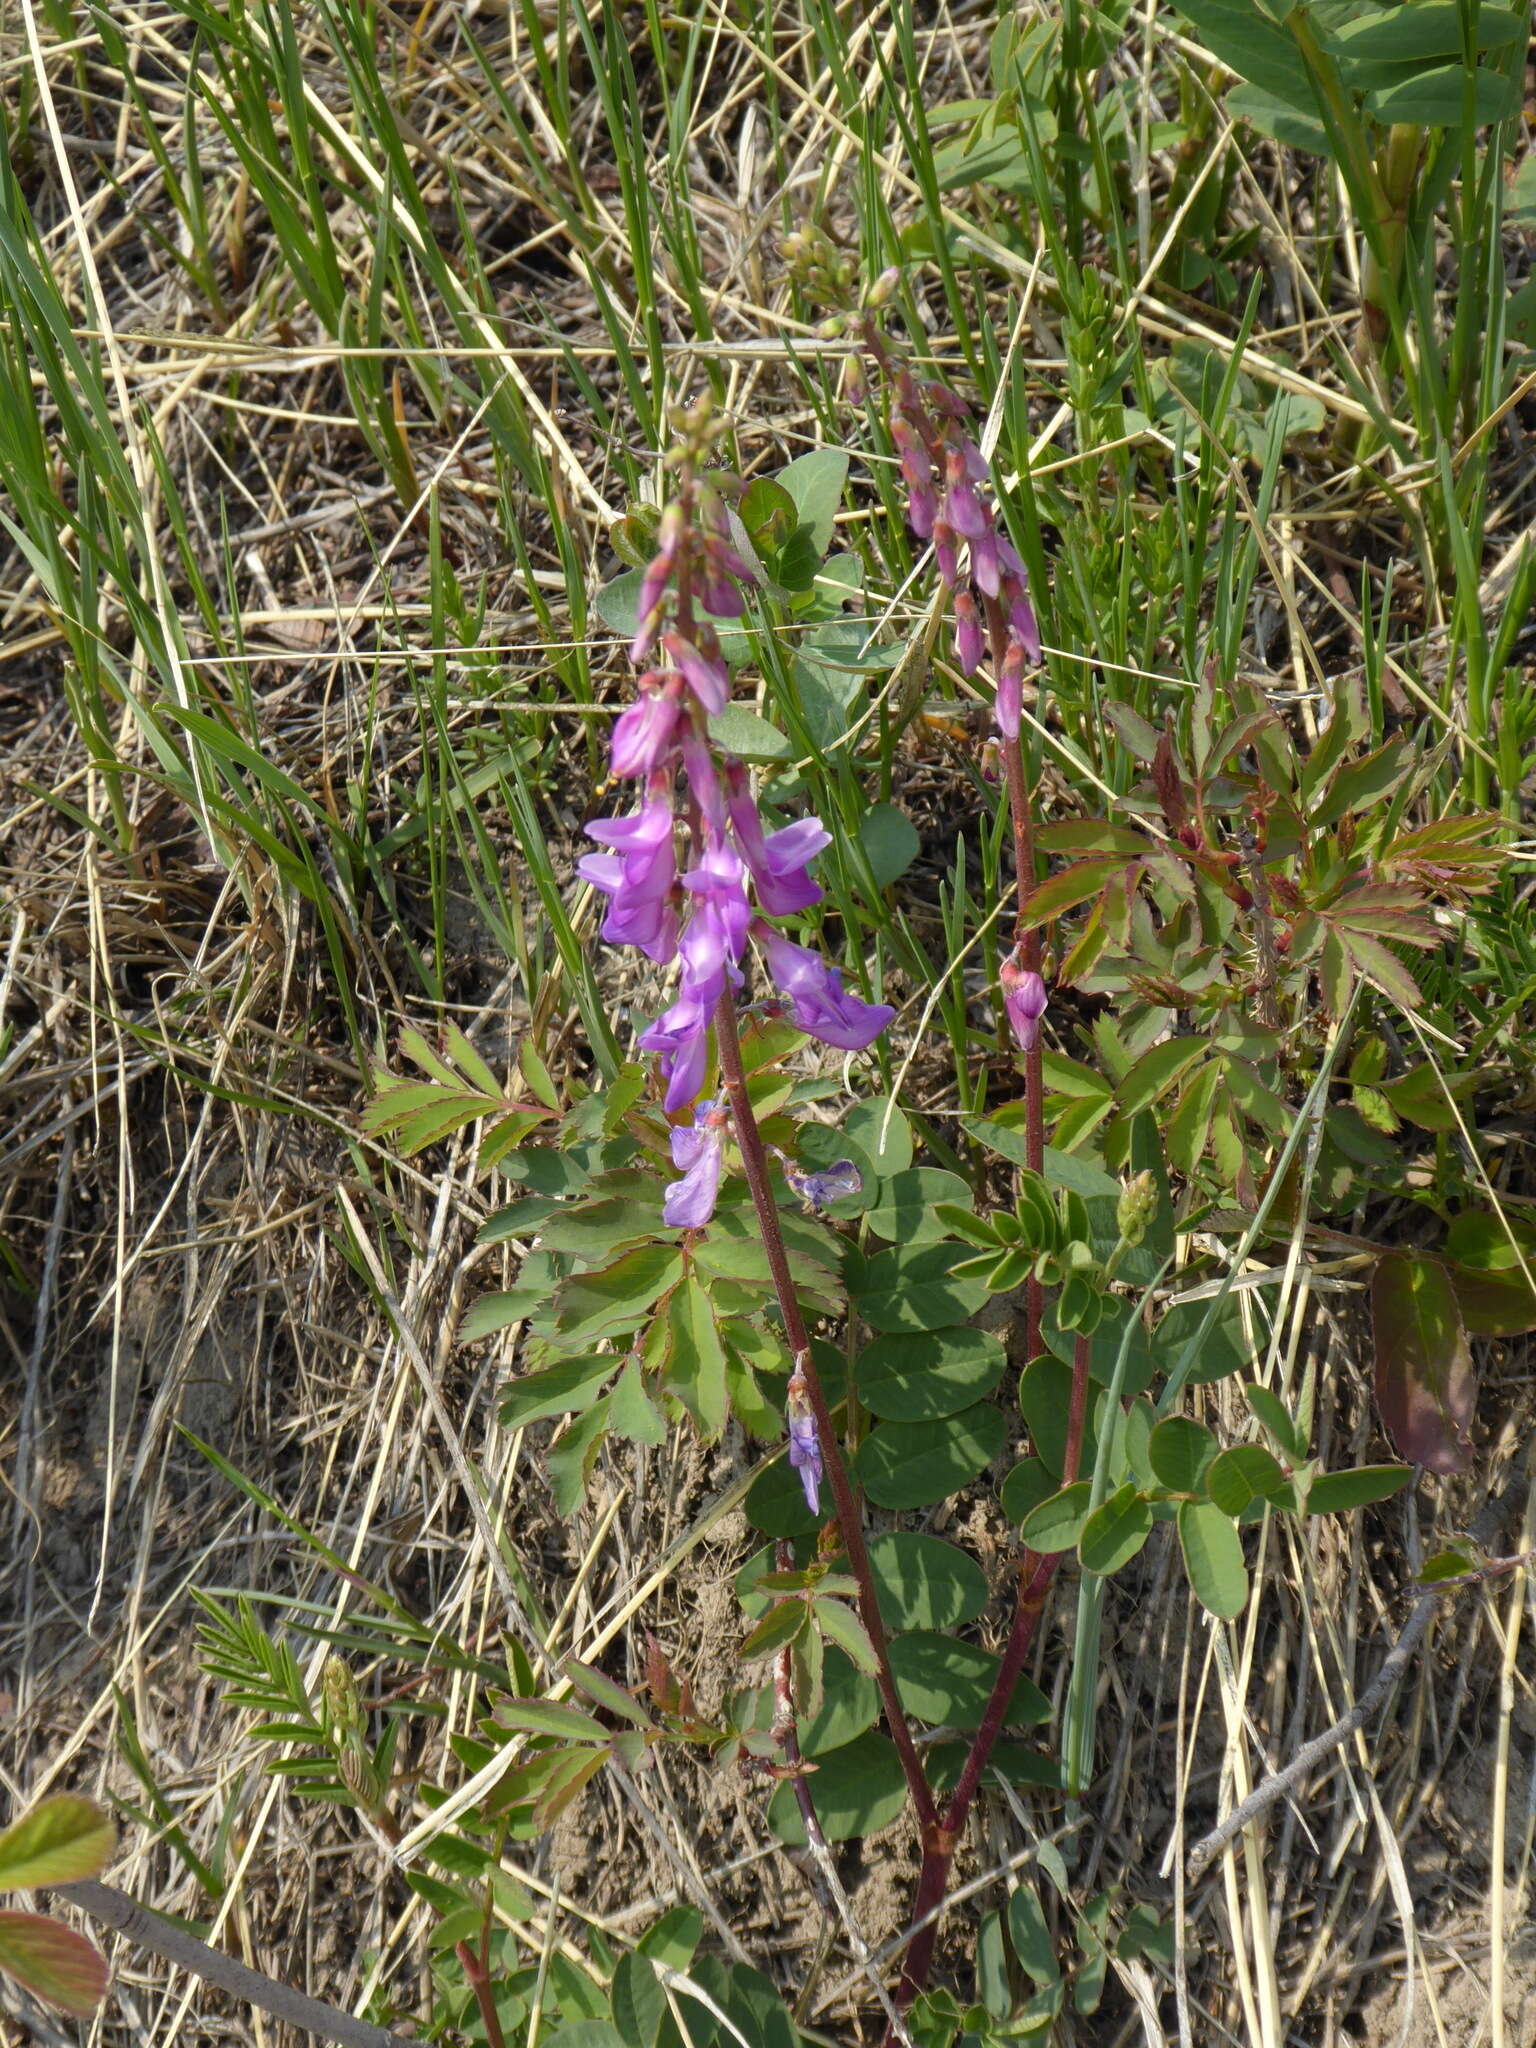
1425	1384
53	1962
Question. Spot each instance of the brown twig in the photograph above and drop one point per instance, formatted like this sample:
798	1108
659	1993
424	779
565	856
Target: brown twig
138	1924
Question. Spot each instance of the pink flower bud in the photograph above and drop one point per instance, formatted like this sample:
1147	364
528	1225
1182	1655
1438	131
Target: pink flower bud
968	634
1008	708
1024	998
945	553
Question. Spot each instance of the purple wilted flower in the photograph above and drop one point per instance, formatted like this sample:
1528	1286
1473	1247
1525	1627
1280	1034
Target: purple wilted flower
698	1151
968	638
1024	998
1008	705
817	1000
804	1444
640	878
818	1188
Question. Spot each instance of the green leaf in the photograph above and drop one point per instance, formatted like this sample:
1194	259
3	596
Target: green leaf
60	1840
613	1300
1213	1557
1239	34
1157	1070
695	1369
1429	28
1276	1418
1245	1472
1114	1532
1073	885
1179	1450
815	482
903	1209
947	1683
839	1624
906	1377
639	2003
1335	1493
1057	1523
913	1288
738	730
915	1464
1031	1936
775	1502
556	1390
569	1461
631	1411
890	842
1045	1401
550	1717
785	1622
858	1788
53	1962
923	1582
882	1134
1025	1487
1433	99
605	1692
1425	1383
594	1230
673	1938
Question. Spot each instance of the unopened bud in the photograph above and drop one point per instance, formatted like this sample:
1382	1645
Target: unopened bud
1136	1207
343	1708
884	287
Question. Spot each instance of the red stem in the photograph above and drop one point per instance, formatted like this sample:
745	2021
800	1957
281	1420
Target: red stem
845	1505
1028	943
1034	1580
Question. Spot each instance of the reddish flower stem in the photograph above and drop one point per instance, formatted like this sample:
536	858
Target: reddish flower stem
1034	1582
845	1505
1029	947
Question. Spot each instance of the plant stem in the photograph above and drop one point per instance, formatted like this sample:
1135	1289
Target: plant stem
1029	951
292	2008
755	1164
1035	1574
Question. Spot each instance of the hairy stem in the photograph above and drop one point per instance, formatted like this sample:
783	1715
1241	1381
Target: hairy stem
850	1527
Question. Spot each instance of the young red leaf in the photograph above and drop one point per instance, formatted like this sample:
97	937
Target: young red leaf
53	1962
1425	1384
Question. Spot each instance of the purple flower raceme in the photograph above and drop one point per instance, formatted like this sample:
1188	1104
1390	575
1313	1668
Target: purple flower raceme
686	871
941	467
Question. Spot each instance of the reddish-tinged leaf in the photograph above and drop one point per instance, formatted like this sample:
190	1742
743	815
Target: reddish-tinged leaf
1168	781
1425	1384
1073	885
59	1841
53	1962
1380	966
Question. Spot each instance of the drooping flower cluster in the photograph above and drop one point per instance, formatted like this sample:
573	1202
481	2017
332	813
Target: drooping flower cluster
942	468
700	905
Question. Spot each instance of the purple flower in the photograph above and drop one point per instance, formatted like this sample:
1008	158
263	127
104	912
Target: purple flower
804	1444
962	508
698	1151
640	878
703	668
1024	998
817	1001
819	1190
644	735
681	1036
945	553
719	885
1021	621
777	859
985	566
1008	706
649	600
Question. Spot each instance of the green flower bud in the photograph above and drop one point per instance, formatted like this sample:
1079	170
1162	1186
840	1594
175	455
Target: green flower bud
1136	1207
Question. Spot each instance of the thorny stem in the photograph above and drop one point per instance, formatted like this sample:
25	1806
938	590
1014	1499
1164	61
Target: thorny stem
755	1164
1035	1574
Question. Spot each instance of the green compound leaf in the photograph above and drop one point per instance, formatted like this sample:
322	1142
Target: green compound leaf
903	1209
1058	1522
858	1788
923	1582
1213	1557
918	1377
556	1390
1179	1450
61	1840
1114	1532
915	1464
1333	1493
947	1683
